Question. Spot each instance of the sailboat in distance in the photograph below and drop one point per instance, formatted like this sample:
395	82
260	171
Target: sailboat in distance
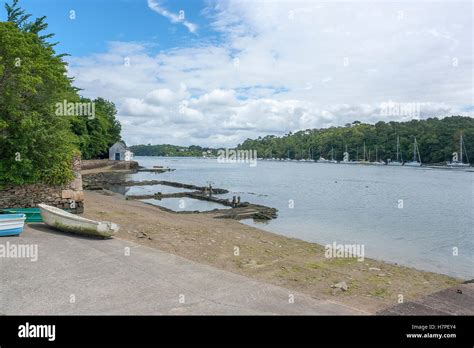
377	161
399	160
321	158
332	156
416	151
345	158
457	161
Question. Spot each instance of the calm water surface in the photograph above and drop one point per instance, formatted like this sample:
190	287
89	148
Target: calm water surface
349	204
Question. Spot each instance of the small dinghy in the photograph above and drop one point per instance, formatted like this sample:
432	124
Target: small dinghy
68	222
11	224
32	214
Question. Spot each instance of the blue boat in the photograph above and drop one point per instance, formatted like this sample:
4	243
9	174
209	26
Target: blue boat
11	224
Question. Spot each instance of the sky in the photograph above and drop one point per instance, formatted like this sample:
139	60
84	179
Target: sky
214	73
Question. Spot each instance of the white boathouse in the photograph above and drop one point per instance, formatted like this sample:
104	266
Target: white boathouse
120	152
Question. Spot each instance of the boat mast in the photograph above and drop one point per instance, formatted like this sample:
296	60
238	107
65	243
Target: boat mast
332	153
376	154
398	146
460	146
414	151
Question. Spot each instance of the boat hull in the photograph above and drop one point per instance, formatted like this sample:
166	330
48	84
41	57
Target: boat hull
32	214
458	165
71	223
11	224
412	164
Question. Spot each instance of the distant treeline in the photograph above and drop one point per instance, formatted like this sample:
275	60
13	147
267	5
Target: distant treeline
437	140
170	150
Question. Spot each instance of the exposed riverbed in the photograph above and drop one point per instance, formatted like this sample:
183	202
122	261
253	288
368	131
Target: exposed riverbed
413	216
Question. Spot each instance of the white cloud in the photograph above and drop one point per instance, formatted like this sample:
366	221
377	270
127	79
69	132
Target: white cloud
173	17
327	64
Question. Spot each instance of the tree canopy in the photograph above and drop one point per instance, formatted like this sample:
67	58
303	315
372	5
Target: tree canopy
36	143
169	150
437	140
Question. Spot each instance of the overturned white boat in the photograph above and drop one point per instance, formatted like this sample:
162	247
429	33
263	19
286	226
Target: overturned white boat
68	222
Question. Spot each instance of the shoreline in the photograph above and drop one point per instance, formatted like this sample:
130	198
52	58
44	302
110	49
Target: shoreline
294	264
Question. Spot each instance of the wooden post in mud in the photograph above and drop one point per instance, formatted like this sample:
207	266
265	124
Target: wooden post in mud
233	201
210	190
238	200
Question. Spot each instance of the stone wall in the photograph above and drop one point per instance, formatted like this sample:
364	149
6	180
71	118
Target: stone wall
101	163
70	196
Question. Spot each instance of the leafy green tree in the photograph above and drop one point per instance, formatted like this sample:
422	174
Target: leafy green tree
97	134
437	140
36	145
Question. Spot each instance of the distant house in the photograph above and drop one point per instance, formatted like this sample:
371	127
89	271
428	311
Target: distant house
120	152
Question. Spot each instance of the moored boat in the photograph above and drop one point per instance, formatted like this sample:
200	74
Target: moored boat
11	224
345	158
399	160
32	214
416	152
68	222
377	161
457	161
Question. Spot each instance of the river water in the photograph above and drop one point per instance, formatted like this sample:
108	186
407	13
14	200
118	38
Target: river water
418	217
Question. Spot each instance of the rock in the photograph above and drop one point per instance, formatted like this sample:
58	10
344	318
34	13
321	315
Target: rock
66	194
341	285
381	274
78	196
374	269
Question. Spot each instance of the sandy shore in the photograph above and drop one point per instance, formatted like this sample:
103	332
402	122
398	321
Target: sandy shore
287	262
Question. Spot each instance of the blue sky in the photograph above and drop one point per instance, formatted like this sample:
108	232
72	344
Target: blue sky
237	69
100	21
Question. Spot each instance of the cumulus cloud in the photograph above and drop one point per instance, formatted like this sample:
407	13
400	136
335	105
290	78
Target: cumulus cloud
284	66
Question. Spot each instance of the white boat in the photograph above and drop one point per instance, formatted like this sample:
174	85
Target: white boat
457	161
68	222
377	161
415	162
322	160
11	224
399	160
364	159
325	160
345	158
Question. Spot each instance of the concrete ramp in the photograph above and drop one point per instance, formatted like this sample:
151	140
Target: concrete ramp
76	275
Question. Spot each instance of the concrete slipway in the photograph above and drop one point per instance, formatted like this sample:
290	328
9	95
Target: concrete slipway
75	275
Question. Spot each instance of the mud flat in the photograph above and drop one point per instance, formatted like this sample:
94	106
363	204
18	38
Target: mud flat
372	285
239	210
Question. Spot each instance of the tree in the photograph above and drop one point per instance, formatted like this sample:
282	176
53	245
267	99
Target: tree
97	134
36	145
19	17
437	139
